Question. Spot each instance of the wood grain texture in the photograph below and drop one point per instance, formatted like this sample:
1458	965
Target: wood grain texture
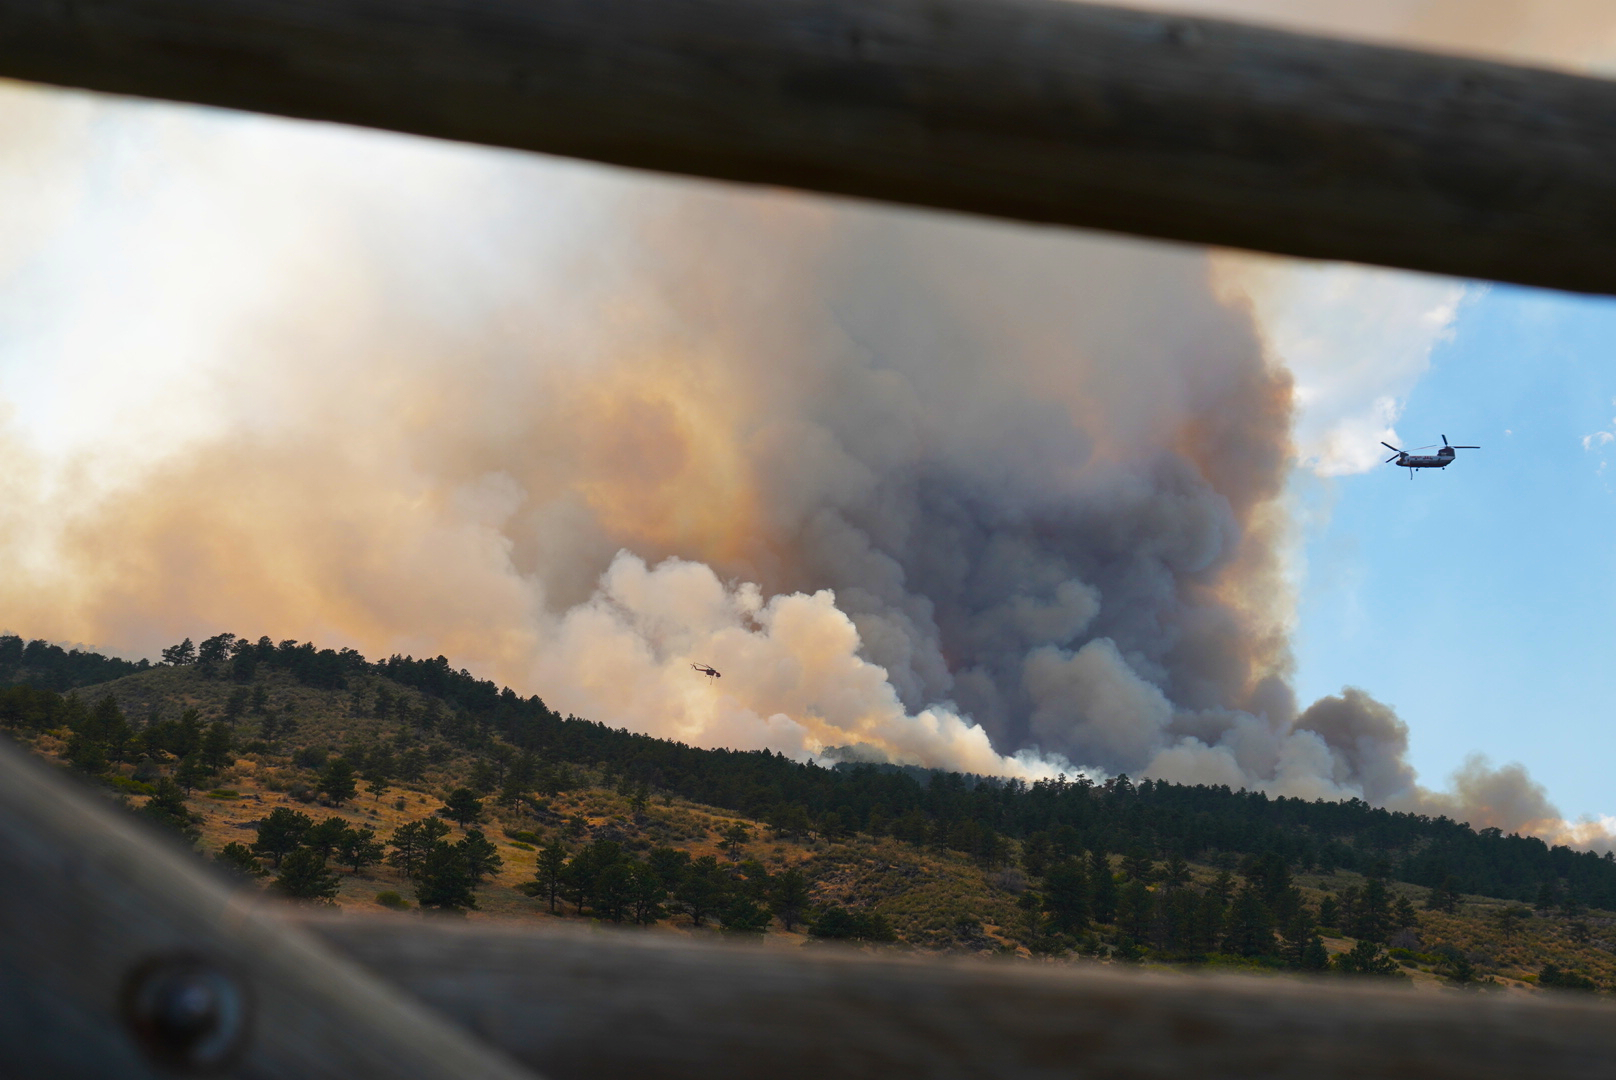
88	896
583	1006
1042	110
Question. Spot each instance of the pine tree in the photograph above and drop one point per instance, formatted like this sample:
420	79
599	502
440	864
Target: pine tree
181	654
1176	875
443	880
1250	929
304	876
1137	866
1102	888
734	841
670	864
703	891
239	857
546	881
167	808
1403	913
742	916
1135	908
192	772
326	836
645	895
218	750
1067	896
1372	914
462	806
1315	957
614	891
87	755
337	781
412	841
280	833
1299	938
788	897
1210	916
1035	854
580	879
359	848
482	858
1510	919
1329	912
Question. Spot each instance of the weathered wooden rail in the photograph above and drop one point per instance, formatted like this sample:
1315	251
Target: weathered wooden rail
121	955
1043	110
605	1005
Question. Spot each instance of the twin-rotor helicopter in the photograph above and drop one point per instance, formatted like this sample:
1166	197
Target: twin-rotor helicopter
1439	460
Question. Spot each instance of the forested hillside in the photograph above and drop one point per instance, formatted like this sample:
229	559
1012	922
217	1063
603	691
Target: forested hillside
332	777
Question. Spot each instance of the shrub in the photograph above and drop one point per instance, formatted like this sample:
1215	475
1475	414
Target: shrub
1552	978
835	921
1366	958
310	757
389	898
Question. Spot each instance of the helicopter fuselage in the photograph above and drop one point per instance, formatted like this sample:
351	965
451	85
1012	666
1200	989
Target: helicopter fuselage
1425	461
1439	460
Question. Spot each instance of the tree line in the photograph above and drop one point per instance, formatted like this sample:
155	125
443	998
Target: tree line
519	742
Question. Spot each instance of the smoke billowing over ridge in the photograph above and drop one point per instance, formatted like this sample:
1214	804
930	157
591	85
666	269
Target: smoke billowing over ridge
972	496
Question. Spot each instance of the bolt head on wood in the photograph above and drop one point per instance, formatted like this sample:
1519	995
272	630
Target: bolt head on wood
186	1013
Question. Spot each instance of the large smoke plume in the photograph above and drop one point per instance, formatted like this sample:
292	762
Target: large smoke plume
924	489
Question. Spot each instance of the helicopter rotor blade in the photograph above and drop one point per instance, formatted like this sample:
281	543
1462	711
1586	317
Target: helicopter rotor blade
1390	447
1467	448
1391	459
1444	440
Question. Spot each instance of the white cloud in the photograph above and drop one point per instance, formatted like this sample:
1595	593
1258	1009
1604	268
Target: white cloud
1356	339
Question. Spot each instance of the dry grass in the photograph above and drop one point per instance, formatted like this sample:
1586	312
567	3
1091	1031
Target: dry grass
934	901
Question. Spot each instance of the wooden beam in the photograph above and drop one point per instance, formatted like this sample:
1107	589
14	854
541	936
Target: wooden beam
121	955
609	1005
1041	110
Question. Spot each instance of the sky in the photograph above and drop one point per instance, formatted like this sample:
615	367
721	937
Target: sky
1480	598
575	427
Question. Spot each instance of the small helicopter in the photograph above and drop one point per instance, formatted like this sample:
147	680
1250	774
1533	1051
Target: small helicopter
707	670
1439	460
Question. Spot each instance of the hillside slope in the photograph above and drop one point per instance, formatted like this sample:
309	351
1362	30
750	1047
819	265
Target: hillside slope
1148	873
